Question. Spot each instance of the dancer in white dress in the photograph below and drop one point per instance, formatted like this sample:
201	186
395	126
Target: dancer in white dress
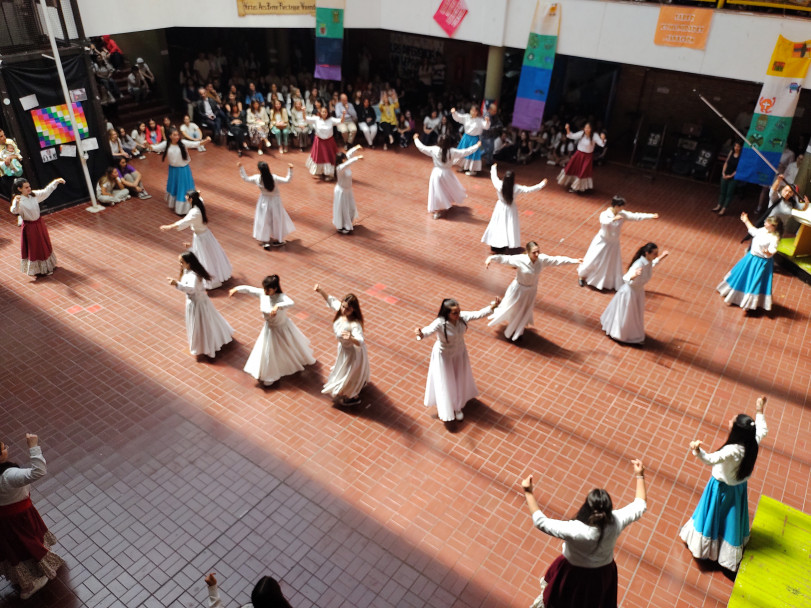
450	382
344	210
207	331
271	224
444	188
281	348
504	229
474	126
204	245
351	370
602	264
519	300
624	319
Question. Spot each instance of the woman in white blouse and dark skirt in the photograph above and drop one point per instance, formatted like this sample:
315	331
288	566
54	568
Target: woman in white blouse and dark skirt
576	175
36	254
585	575
25	542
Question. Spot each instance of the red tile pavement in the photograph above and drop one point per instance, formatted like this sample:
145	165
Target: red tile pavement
162	467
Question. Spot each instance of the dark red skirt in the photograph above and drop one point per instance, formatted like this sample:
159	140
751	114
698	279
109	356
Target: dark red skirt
324	151
580	165
22	533
570	586
35	243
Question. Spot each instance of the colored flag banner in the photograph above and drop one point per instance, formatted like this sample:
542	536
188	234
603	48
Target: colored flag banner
536	71
450	14
53	124
329	38
774	111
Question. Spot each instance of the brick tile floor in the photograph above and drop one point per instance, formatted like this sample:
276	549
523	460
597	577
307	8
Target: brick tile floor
162	468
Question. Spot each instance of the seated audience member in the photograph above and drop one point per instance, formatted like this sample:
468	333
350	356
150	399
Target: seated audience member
280	125
202	67
367	121
258	121
192	132
128	143
139	136
430	126
153	133
137	85
266	594
504	146
131	179
104	72
145	71
115	53
116	149
348	128
110	189
253	95
389	105
237	129
209	112
404	132
299	127
5	141
190	97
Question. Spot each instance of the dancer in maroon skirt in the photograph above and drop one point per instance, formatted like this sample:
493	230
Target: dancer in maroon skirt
577	173
585	576
25	558
324	150
37	256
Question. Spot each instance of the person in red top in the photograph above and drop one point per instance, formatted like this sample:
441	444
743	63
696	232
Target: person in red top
116	54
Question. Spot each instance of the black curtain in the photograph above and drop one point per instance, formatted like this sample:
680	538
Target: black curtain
41	79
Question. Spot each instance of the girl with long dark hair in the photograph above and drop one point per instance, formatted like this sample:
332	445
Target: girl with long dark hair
206	329
450	382
719	527
36	254
516	308
602	264
351	370
444	188
504	229
281	348
25	541
624	318
749	283
179	181
344	210
324	149
474	126
576	175
271	223
585	576
204	245
267	593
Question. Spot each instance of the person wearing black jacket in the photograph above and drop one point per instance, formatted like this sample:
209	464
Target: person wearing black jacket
490	135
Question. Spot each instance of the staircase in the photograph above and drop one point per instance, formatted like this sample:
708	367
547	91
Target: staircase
126	113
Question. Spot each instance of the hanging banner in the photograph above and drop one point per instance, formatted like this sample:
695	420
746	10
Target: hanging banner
329	38
450	14
774	111
683	26
275	7
536	71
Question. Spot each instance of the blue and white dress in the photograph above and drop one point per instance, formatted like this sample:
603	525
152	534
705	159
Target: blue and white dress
719	528
474	127
179	181
749	283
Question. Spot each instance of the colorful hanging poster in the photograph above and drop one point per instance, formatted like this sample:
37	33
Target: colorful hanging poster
536	72
53	124
774	111
329	38
450	14
683	26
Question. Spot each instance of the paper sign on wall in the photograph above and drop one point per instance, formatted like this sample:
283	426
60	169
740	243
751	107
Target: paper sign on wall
683	26
29	101
48	155
450	14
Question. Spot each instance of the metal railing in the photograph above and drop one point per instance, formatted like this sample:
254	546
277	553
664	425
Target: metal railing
23	28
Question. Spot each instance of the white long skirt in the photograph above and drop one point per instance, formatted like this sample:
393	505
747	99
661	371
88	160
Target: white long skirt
206	328
344	210
450	382
270	221
624	318
279	351
515	310
350	373
602	264
444	190
212	257
504	229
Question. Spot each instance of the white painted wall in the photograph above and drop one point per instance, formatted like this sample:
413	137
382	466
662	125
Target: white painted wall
739	44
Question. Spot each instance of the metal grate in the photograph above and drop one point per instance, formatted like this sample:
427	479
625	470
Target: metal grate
23	28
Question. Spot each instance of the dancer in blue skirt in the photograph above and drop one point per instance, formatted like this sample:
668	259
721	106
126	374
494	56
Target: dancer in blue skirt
474	126
179	182
719	528
749	283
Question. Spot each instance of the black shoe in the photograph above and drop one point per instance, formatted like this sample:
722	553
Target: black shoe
239	153
581	282
266	246
350	402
